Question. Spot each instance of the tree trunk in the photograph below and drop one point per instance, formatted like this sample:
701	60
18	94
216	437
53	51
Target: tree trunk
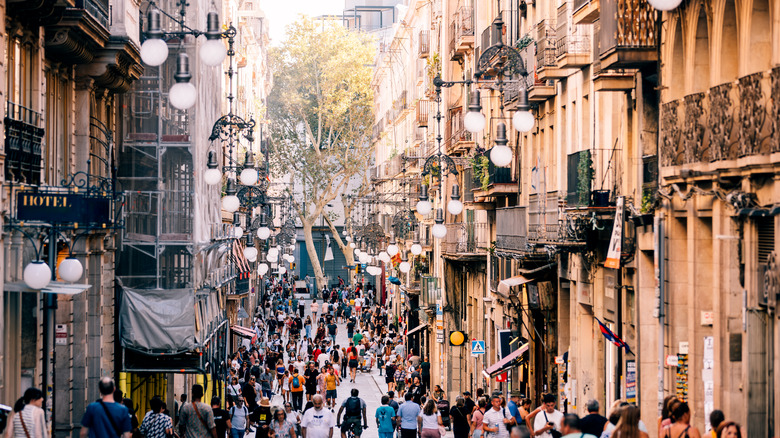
349	254
313	257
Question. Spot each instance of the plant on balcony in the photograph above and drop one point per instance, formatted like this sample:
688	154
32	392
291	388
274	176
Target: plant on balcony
480	168
432	69
524	42
648	201
393	154
584	177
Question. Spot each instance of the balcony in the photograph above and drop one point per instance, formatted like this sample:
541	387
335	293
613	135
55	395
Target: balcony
546	53
424	44
511	94
423	110
498	181
538	90
81	31
628	37
728	126
611	80
400	105
466	240
512	229
573	46
543	227
462	33
23	138
585	11
458	140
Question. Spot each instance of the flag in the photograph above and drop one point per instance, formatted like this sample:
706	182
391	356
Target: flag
612	337
328	250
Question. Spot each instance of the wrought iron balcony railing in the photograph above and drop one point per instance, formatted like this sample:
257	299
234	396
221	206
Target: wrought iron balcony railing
23	139
466	238
511	228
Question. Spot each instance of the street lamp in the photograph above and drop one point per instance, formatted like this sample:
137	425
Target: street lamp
424	206
455	207
230	202
439	230
500	154
37	275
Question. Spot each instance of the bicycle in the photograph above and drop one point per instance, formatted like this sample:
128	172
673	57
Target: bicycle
353	431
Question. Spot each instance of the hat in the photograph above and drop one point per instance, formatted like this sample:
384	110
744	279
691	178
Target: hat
516	394
265	402
466	393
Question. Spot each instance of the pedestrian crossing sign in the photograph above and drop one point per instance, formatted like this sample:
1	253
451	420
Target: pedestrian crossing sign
477	347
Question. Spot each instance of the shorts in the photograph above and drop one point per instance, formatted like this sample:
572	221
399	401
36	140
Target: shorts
353	363
353	423
331	393
389	379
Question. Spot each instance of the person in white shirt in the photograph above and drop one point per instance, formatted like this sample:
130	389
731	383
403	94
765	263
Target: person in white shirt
318	422
315	309
497	421
545	418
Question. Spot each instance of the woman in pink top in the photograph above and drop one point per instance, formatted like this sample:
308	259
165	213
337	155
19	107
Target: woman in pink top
476	418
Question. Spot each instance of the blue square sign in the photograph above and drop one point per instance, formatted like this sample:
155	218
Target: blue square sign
477	347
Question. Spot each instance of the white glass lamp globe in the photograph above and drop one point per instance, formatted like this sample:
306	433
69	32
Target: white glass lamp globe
274	252
416	249
154	52
37	275
250	252
424	207
501	155
405	267
248	177
357	251
523	121
474	121
363	257
262	269
263	233
352	244
392	250
272	258
282	270
439	231
182	95
384	256
348	239
455	207
238	232
664	5
213	52
70	270
212	176
230	203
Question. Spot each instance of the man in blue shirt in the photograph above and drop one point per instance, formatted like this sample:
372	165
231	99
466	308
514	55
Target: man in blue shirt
105	418
408	412
514	404
385	416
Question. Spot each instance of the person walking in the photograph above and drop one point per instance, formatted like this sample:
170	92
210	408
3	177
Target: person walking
221	419
593	423
317	422
28	419
477	417
106	418
385	418
238	419
628	424
196	419
331	382
549	419
429	421
497	420
408	413
572	428
282	427
155	423
310	380
296	383
460	420
681	426
354	407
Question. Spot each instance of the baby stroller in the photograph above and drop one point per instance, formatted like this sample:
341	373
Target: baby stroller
368	363
444	409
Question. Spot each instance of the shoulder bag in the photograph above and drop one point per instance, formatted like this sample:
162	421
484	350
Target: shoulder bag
24	426
553	432
111	419
206	426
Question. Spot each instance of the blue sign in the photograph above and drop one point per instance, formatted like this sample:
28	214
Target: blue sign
477	347
362	266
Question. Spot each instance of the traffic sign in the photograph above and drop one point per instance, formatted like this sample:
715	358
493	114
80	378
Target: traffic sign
477	347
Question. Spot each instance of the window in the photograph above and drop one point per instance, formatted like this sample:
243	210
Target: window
765	244
58	114
580	173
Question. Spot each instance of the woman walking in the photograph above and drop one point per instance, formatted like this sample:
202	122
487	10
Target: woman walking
429	421
28	419
282	427
476	418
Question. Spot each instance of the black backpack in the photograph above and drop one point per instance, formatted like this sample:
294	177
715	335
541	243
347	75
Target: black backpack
352	406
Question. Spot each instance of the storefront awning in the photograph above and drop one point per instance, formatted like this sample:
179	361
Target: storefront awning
505	363
507	283
244	332
55	287
417	329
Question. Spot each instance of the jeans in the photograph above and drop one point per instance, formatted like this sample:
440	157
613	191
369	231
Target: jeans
385	434
236	433
267	393
297	400
308	332
408	433
333	339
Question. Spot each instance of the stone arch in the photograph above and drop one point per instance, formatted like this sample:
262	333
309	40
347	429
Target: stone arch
675	79
701	53
729	43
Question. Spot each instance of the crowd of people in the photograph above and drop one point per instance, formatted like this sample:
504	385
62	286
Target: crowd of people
284	383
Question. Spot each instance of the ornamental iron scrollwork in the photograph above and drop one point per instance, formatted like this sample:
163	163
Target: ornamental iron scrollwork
693	131
404	223
774	134
752	114
436	159
500	60
670	134
228	125
253	196
772	278
721	123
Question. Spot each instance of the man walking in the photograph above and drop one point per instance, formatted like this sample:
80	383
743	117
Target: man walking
354	406
238	417
546	417
317	422
297	383
497	420
593	423
196	419
106	418
408	412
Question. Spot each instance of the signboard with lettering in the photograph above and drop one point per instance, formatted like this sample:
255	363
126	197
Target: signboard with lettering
62	208
631	381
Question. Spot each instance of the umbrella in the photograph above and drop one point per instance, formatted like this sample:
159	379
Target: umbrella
394	280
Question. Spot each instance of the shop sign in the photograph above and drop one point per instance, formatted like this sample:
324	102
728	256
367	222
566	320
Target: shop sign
615	242
61	334
631	381
62	208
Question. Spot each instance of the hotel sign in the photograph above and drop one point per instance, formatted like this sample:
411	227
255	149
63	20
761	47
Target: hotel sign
63	208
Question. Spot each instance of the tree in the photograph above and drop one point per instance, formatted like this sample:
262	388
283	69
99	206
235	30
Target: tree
321	114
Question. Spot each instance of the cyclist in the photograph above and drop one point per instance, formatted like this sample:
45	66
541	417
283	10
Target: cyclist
355	407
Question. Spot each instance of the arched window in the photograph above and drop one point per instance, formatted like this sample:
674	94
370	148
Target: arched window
760	38
701	56
676	78
729	44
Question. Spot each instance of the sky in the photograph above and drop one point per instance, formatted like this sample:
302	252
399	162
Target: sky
280	13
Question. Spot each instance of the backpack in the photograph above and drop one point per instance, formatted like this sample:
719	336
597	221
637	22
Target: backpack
353	407
233	410
296	382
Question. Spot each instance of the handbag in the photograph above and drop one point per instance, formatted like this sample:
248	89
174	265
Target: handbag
553	432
